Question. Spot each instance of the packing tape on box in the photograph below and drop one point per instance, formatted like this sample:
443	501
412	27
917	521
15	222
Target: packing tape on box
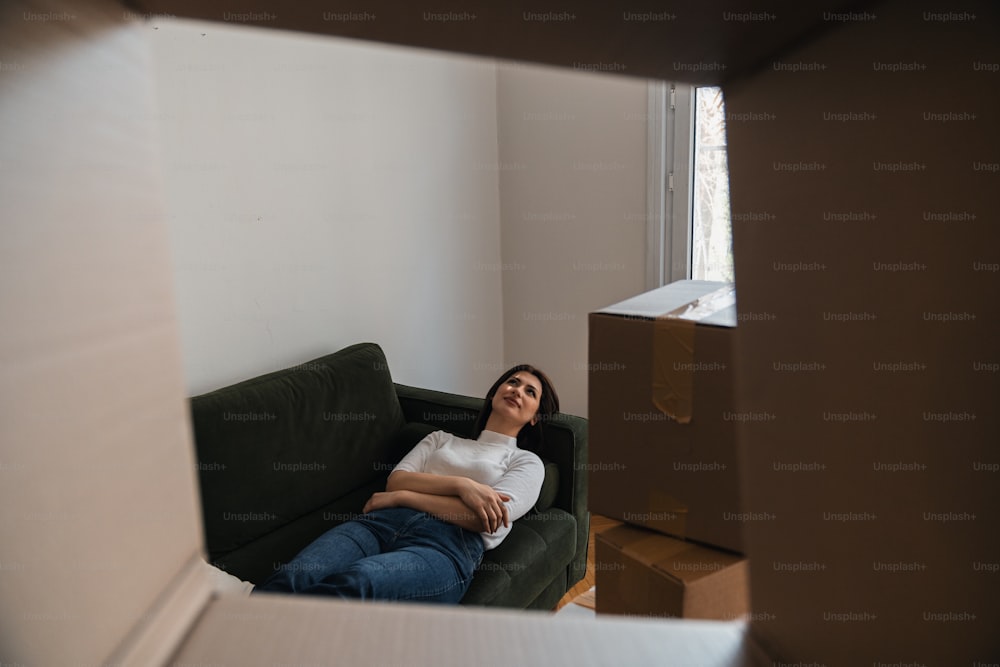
667	514
673	357
673	352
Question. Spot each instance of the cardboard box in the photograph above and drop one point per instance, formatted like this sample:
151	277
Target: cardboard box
663	451
868	283
643	573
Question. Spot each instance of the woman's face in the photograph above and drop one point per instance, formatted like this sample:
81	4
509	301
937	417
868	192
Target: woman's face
518	396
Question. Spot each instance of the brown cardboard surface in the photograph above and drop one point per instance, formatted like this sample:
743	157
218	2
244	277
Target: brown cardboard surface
864	172
711	41
645	467
643	573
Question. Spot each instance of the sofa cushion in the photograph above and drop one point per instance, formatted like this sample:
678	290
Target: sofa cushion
259	559
280	446
536	551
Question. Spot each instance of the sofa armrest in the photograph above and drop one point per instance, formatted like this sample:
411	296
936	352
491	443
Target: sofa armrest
564	443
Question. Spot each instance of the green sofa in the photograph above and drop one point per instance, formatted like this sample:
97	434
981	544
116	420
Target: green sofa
285	456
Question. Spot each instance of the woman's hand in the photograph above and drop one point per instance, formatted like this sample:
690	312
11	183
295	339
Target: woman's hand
487	504
487	510
382	500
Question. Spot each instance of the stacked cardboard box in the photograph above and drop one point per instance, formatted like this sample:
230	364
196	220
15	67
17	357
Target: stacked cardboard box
663	453
662	422
644	573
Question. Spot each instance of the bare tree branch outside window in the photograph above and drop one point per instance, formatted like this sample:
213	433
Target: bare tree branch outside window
712	237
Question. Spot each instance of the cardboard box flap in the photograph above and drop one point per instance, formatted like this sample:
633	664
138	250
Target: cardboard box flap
304	630
704	301
677	42
100	535
717	308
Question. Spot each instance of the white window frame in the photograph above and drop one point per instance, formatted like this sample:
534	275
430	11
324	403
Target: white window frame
669	183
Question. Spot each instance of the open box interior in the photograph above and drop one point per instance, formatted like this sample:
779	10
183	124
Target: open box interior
102	541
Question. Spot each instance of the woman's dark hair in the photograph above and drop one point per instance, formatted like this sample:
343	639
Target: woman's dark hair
530	436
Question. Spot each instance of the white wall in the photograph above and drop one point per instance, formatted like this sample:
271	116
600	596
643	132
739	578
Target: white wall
323	192
573	211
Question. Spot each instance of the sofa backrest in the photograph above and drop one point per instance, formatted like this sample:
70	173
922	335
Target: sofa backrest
276	447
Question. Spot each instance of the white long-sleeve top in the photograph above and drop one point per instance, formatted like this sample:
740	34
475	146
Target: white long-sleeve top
492	459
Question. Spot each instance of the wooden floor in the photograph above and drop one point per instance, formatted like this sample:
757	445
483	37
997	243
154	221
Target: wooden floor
597	524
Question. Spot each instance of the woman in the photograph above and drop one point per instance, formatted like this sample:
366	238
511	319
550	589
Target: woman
446	502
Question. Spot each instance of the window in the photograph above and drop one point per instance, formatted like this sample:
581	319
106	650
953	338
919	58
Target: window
711	230
690	228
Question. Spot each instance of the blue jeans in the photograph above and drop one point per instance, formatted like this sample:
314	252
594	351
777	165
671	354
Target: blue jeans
391	554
